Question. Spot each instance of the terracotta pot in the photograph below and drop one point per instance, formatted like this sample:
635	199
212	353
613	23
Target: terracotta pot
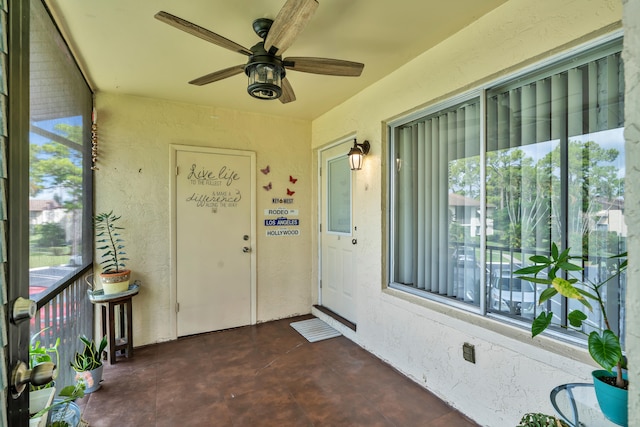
113	283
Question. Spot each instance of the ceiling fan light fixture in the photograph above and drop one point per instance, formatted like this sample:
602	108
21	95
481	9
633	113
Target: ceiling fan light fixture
265	73
265	80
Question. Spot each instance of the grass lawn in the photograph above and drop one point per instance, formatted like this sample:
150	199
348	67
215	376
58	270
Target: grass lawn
41	260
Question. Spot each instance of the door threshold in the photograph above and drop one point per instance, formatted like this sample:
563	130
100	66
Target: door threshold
336	316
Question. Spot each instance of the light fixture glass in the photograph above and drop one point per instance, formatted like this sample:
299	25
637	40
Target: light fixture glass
265	81
357	153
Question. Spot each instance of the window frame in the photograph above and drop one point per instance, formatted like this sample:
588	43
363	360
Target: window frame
569	58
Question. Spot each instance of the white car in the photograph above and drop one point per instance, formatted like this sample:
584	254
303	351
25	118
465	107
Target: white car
513	295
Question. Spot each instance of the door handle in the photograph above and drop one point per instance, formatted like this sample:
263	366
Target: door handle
23	309
41	374
354	241
246	249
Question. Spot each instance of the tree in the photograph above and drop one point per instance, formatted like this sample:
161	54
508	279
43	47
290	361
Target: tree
592	181
58	166
55	165
51	234
526	192
464	177
513	188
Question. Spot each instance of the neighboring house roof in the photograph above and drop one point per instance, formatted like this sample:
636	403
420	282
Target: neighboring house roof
460	200
42	205
611	204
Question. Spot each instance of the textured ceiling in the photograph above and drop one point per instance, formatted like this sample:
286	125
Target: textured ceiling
123	49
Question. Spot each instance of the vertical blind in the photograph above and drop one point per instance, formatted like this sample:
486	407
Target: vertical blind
555	146
424	210
542	116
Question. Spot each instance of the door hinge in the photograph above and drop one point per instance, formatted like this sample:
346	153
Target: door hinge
320	283
177	170
320	171
321	228
177	307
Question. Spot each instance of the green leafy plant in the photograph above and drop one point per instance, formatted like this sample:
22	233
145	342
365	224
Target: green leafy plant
39	354
91	357
541	420
604	345
112	247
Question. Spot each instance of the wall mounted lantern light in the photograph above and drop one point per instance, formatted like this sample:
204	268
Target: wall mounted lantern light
357	152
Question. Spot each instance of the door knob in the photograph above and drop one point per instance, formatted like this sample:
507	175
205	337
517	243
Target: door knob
41	374
245	237
246	249
23	309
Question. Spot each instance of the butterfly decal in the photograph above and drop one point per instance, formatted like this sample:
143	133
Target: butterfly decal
266	171
267	187
290	193
292	179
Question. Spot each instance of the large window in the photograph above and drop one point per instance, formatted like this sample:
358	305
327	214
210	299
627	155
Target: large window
436	226
60	192
481	184
60	169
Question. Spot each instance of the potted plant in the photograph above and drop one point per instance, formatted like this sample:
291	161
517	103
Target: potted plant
115	276
38	353
541	420
40	397
64	412
88	363
604	344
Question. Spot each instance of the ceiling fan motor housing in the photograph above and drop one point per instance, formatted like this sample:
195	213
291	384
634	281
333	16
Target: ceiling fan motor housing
265	72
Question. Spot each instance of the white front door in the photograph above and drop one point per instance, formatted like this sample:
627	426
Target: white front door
338	266
214	262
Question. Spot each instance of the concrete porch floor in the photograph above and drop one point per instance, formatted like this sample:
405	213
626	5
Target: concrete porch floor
262	375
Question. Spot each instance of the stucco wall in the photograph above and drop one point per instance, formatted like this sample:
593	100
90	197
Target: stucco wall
631	56
134	178
513	373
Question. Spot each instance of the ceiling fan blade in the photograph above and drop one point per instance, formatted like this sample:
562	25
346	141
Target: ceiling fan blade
291	20
332	67
287	92
203	33
218	75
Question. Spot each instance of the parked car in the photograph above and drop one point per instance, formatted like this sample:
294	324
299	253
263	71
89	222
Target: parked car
513	295
465	255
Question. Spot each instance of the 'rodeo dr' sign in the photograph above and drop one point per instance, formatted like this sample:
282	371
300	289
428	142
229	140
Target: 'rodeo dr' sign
282	222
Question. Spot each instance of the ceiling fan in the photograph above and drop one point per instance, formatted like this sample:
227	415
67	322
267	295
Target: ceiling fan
265	67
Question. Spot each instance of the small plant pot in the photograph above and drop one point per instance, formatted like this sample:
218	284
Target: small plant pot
38	400
92	379
613	401
113	283
96	376
65	412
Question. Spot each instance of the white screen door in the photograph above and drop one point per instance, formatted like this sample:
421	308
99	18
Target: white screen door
215	238
338	276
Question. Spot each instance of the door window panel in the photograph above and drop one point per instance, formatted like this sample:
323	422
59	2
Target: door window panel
339	192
